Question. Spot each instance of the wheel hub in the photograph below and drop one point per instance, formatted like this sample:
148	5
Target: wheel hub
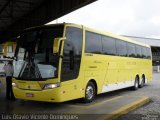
89	92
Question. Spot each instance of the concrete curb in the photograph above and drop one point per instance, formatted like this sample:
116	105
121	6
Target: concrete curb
124	110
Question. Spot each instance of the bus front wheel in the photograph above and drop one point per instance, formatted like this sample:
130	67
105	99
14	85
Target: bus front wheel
90	92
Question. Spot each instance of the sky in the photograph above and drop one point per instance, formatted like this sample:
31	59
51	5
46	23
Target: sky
139	18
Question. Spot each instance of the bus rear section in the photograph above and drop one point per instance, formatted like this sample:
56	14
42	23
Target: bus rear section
115	62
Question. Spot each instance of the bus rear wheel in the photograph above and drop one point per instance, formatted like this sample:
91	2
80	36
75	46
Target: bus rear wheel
142	82
90	92
136	84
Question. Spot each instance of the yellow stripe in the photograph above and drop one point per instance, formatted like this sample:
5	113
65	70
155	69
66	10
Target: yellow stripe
125	109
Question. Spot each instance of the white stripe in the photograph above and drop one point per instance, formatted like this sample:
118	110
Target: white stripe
112	87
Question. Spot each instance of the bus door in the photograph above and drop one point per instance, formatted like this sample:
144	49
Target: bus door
71	60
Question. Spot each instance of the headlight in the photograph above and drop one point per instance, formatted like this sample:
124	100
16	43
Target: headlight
51	86
14	84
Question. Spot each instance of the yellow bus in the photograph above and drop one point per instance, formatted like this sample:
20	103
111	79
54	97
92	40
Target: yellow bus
66	61
7	49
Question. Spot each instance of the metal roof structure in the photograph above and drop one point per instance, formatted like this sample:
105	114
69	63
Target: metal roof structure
149	41
16	15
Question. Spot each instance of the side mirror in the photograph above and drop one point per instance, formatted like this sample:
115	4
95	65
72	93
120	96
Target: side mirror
56	44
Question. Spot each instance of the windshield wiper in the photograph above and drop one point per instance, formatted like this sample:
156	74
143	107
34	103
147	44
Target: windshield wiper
29	69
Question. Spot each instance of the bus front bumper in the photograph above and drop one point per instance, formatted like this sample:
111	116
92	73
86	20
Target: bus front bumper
49	95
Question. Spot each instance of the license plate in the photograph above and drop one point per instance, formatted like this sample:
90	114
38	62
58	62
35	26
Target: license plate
29	95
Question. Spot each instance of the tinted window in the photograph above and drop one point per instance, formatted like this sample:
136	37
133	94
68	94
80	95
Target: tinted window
131	50
71	54
138	51
148	53
121	48
144	52
108	45
93	43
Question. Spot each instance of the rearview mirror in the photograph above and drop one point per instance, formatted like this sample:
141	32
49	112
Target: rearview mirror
56	44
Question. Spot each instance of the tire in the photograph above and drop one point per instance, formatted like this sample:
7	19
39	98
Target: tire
142	82
90	92
136	84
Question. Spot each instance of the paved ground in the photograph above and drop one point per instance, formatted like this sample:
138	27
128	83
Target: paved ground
150	111
146	112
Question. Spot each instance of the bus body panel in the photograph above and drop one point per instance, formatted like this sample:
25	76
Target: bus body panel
113	73
68	91
45	95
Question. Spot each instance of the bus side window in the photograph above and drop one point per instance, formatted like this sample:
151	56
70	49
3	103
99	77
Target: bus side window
138	51
144	52
148	53
108	45
131	50
93	43
121	48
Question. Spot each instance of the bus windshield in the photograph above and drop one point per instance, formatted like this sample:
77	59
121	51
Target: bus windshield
34	58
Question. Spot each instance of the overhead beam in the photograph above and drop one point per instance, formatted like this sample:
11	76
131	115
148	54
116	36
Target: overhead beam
47	11
5	5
